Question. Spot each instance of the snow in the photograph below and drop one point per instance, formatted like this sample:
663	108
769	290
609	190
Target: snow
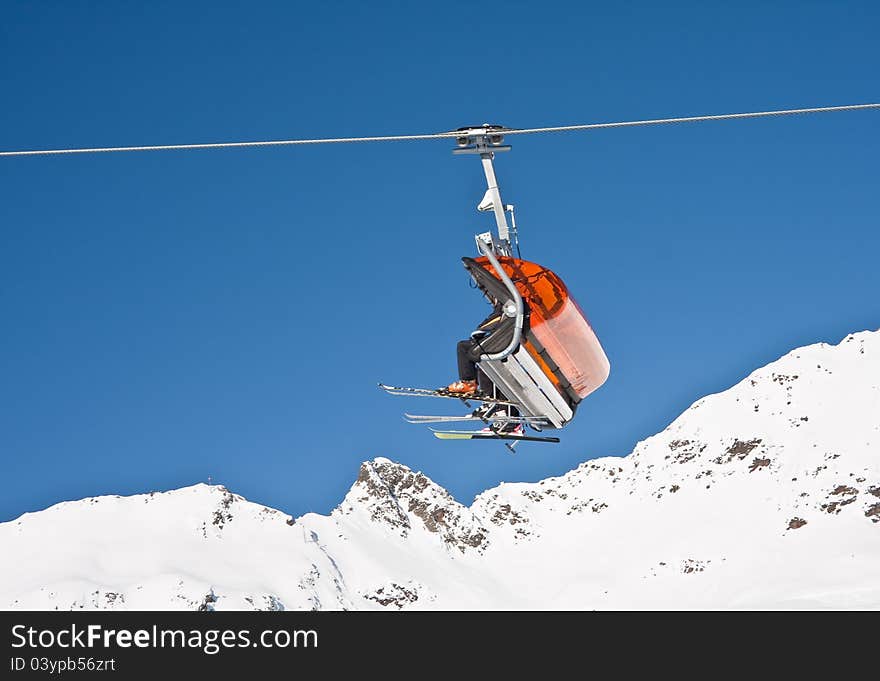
766	495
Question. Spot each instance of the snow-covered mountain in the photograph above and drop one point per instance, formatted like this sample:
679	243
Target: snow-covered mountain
766	495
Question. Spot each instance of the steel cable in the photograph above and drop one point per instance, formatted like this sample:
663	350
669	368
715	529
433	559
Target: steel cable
439	135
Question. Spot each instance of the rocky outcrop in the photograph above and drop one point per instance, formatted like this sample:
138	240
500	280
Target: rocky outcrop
394	496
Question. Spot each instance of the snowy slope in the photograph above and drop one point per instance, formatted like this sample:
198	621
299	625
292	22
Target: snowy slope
764	496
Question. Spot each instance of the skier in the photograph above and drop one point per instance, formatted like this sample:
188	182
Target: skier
472	382
469	352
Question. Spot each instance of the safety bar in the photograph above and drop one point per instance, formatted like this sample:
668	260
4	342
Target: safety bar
486	250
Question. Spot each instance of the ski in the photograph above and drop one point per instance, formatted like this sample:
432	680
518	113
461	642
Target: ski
427	392
480	435
500	418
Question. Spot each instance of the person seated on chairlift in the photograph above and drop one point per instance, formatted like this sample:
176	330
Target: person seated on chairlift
472	382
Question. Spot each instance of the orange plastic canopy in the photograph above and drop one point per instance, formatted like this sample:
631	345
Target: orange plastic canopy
557	323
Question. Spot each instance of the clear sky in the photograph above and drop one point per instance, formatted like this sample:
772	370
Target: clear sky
172	316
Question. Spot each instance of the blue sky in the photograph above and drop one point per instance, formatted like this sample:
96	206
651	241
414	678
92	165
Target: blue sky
173	316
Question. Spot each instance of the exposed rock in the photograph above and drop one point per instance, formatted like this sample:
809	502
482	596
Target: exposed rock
758	463
690	566
739	450
208	601
398	497
394	594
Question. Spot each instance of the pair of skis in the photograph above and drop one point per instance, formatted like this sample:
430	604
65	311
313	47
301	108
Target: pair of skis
470	434
428	392
480	435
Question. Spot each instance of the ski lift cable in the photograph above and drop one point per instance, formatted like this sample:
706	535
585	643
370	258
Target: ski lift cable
438	135
691	119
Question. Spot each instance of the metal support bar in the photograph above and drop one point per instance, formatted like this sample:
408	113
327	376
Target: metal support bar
497	205
509	208
517	300
486	140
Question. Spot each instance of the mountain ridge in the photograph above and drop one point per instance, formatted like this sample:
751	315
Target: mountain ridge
766	494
